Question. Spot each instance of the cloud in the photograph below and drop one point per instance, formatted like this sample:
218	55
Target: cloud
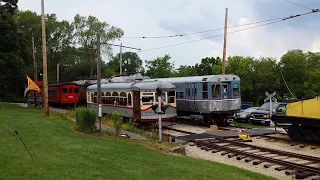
167	17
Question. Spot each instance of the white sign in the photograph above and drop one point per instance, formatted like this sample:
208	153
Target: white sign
270	96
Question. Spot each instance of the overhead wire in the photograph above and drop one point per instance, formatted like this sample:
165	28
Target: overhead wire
198	32
288	87
298	4
187	42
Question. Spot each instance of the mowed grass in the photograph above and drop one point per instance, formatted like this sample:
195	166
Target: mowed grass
248	125
62	153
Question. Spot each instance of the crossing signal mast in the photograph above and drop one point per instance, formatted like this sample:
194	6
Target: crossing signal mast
159	93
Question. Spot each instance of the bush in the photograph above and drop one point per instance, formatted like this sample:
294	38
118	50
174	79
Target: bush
117	122
85	119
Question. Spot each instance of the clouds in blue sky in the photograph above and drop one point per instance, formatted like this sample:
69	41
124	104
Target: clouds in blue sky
168	17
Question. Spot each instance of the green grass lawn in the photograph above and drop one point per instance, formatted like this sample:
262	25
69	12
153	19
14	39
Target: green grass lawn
248	125
61	153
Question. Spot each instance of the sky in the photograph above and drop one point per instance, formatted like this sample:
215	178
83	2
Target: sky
139	18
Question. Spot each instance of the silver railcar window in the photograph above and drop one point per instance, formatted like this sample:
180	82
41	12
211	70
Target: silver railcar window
216	91
236	89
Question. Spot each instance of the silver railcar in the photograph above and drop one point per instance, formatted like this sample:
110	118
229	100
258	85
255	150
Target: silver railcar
135	100
211	98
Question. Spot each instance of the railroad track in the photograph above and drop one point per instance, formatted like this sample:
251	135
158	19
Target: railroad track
280	159
178	130
301	144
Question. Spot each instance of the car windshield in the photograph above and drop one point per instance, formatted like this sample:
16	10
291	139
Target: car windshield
249	110
266	106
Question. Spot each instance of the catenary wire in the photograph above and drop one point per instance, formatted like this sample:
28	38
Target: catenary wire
199	32
297	4
187	42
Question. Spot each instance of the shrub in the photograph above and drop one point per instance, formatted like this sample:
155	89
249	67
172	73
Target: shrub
117	122
85	119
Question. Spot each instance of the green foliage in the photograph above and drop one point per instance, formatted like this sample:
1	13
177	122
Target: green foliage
70	113
12	49
117	122
86	29
131	63
160	67
85	119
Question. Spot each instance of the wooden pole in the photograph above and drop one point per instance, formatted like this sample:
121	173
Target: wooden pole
44	59
99	79
121	59
225	43
34	70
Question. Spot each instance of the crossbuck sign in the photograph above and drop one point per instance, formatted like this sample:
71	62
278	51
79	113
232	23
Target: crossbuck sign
270	96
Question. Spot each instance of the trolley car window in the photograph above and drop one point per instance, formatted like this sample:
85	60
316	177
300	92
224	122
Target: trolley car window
129	99
108	94
163	96
147	100
70	90
64	90
115	94
236	89
171	96
76	90
91	94
123	94
216	90
205	90
95	97
109	100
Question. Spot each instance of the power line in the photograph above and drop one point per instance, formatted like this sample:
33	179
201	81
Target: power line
283	19
298	5
287	86
199	32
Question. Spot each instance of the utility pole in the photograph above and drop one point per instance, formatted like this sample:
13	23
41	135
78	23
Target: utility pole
44	59
120	58
99	79
58	71
34	70
225	43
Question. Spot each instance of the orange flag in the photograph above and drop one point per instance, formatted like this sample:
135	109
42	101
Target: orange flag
32	85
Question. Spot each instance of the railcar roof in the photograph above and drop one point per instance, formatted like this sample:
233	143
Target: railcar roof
152	85
62	84
206	78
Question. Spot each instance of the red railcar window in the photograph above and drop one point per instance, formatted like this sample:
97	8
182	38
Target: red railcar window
76	90
64	90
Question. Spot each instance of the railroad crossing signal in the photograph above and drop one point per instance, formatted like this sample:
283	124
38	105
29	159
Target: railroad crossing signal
270	96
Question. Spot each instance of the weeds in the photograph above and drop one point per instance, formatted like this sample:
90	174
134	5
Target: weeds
118	120
85	119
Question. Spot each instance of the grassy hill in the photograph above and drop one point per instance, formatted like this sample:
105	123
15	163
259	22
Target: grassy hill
62	153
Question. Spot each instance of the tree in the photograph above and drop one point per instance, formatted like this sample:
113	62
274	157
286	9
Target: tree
131	63
184	71
86	29
206	66
160	67
244	68
12	47
293	67
265	77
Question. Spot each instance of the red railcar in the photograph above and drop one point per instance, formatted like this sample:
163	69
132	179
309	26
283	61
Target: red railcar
66	94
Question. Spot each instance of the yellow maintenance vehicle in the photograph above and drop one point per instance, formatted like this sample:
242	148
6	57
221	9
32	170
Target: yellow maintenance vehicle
301	120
